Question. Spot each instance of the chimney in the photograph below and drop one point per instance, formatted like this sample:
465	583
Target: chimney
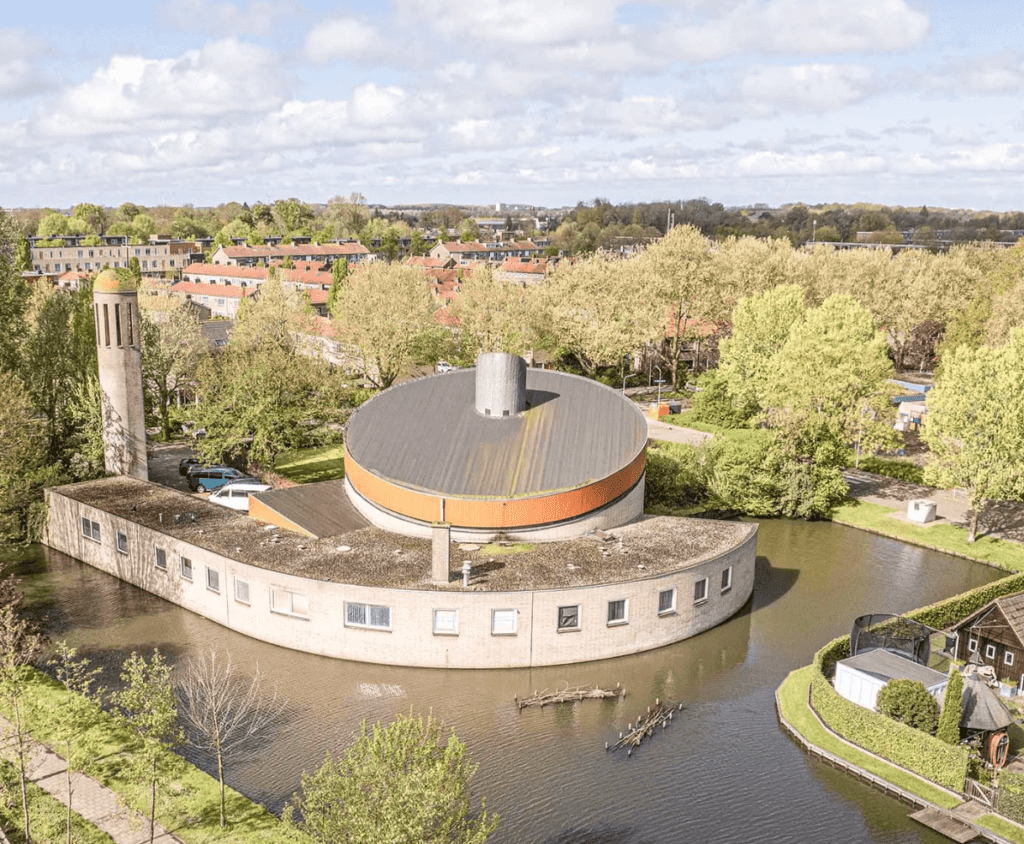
500	384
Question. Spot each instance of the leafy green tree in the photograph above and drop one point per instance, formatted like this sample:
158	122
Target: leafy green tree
143	226
339	272
225	710
80	713
713	405
92	215
469	231
22	458
975	429
291	215
952	704
384	314
135	268
57	225
417	244
400	783
493	316
908	702
389	243
128	211
148	708
14	295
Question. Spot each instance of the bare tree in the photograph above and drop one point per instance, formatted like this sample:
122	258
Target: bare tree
225	709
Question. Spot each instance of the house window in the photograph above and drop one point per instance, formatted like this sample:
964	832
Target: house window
367	615
446	622
122	543
503	622
161	559
569	618
241	591
289	603
667	601
726	579
617	612
90	529
990	651
700	591
972	644
212	579
1008	658
186	568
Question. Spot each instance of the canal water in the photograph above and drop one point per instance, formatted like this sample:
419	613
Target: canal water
722	772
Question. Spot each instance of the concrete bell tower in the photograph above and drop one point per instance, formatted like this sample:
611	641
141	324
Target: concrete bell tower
118	335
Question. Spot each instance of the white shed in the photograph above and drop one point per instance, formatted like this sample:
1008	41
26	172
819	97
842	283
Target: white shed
860	678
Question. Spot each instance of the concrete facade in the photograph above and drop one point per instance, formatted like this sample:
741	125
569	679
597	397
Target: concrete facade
453	628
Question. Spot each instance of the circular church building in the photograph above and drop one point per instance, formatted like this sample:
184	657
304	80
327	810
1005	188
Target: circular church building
498	450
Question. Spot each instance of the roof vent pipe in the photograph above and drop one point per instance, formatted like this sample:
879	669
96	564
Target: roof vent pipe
500	384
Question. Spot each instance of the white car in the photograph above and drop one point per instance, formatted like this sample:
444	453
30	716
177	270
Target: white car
444	366
236	495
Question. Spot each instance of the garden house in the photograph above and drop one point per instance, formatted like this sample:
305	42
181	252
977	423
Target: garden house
860	678
994	635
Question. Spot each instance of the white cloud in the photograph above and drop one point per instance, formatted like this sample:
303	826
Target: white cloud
809	164
343	38
258	18
809	87
20	75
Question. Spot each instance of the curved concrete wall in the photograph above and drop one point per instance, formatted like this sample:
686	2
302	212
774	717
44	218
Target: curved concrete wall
311	616
491	513
500	384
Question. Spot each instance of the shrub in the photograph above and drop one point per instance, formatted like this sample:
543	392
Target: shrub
946	613
1010	802
952	703
677	475
901	470
713	405
908	702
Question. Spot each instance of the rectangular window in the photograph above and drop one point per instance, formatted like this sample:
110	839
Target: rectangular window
241	591
700	591
90	529
569	618
990	651
186	568
161	559
117	323
367	615
212	579
726	579
1008	658
667	601
289	603
106	326
617	612
446	622
131	327
122	543
972	644
503	622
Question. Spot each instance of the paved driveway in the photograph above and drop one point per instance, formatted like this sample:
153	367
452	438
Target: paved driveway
163	464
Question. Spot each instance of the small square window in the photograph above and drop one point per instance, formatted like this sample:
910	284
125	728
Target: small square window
726	579
972	644
503	622
122	543
241	591
990	651
617	611
186	568
446	622
569	618
161	559
212	579
666	601
700	591
1008	658
86	528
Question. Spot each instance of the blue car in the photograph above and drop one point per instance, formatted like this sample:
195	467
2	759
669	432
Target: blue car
212	477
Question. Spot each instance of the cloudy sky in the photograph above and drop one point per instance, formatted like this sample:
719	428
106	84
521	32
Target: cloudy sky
539	101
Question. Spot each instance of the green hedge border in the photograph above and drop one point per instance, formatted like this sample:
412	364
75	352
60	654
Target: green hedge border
925	755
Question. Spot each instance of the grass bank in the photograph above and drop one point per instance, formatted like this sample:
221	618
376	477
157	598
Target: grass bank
1001	826
686	420
189	806
47	816
940	537
308	465
792	697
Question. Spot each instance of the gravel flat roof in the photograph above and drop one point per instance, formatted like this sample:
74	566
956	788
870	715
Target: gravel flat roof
373	557
426	434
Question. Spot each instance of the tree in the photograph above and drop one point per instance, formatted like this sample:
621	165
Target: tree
224	710
952	703
19	645
493	316
417	244
400	783
128	211
975	429
339	272
908	702
148	708
469	230
93	216
385	313
14	295
81	711
22	458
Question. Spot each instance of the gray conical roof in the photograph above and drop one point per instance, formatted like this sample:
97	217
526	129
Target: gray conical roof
982	709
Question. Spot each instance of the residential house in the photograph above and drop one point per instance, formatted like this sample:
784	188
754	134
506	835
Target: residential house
522	270
320	254
223	300
462	253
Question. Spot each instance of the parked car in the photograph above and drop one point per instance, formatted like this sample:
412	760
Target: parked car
213	477
444	366
187	463
236	494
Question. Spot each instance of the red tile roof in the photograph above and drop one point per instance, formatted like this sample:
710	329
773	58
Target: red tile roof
322	249
222	291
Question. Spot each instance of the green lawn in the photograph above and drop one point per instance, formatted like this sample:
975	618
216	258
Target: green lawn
685	420
189	806
306	465
47	816
948	538
1001	826
792	696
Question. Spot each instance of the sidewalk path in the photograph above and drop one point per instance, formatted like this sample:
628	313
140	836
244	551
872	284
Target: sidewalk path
659	430
92	800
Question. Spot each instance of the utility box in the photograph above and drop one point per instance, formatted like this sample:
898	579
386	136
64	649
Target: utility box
921	510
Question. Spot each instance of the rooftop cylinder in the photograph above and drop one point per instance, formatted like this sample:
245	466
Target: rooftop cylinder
500	384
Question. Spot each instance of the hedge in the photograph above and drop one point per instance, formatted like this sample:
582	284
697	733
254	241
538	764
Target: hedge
1010	801
901	470
946	613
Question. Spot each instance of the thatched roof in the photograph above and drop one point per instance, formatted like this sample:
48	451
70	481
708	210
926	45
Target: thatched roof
982	710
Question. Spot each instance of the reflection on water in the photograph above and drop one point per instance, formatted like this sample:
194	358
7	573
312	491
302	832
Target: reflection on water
723	771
